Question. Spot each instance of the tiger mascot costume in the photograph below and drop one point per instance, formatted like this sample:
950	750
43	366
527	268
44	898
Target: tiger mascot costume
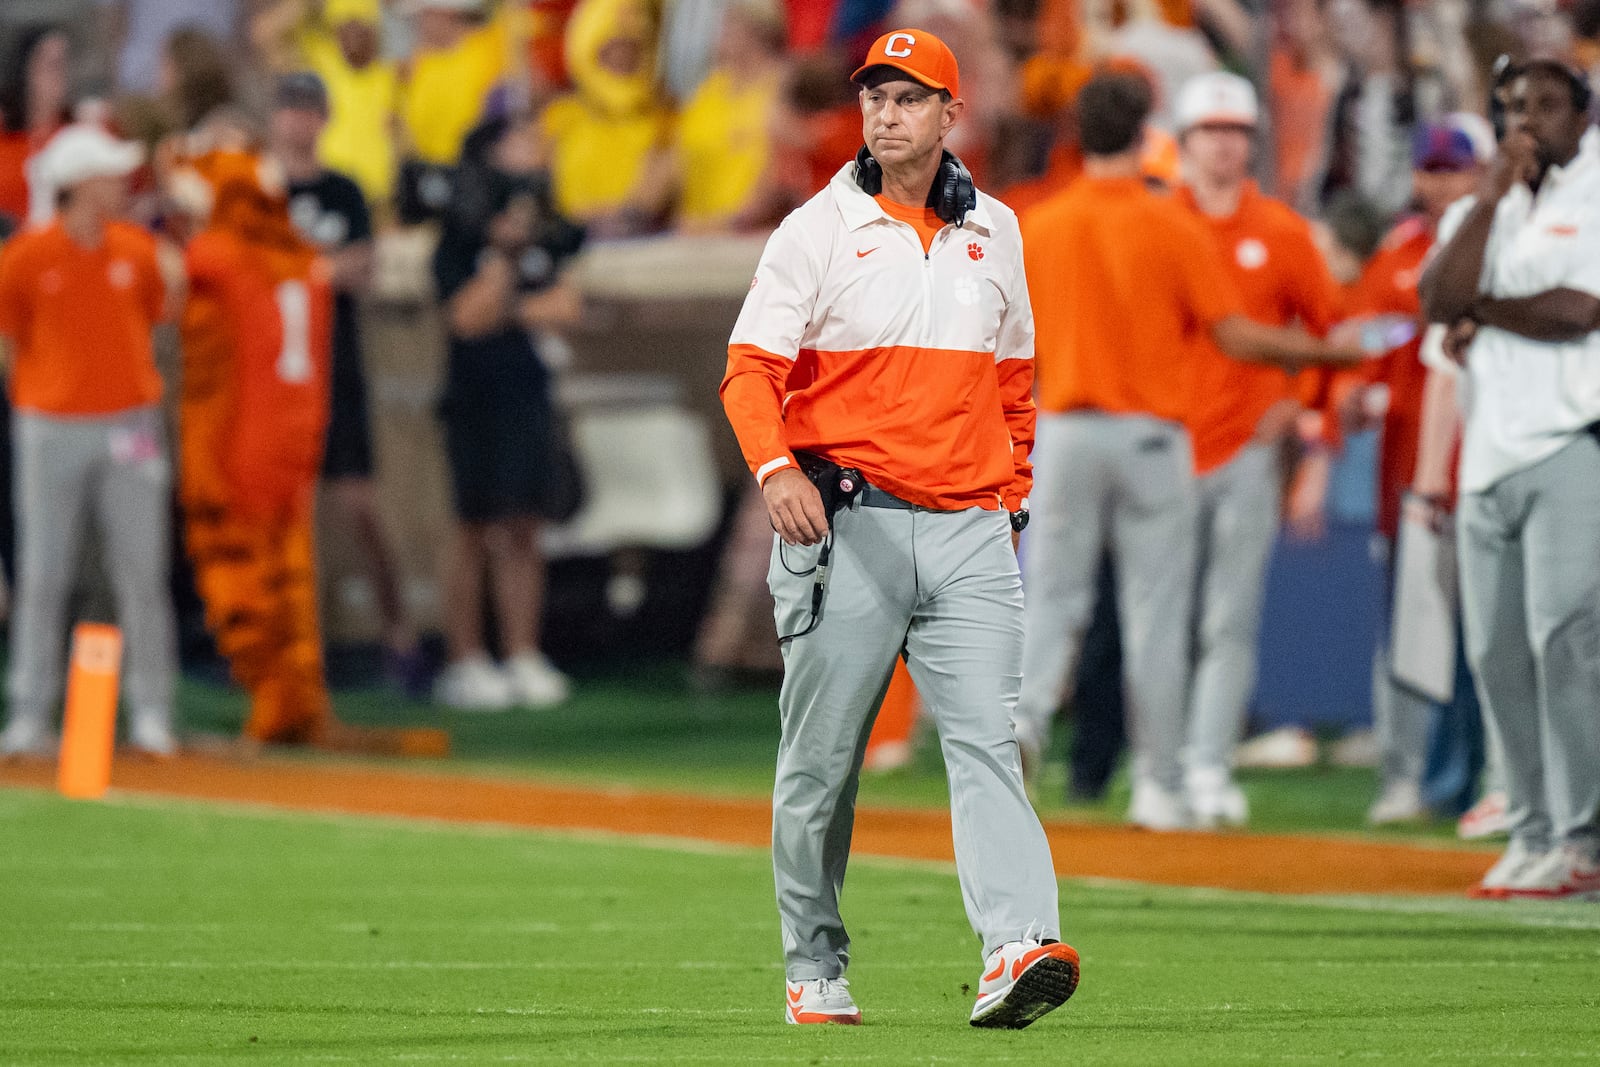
257	336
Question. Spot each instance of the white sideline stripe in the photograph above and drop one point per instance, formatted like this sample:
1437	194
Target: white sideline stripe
1557	915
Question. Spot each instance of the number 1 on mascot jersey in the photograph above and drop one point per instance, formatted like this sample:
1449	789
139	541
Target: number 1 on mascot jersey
294	316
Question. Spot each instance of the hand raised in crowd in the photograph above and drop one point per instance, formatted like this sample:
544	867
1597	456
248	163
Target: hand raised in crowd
795	507
1516	162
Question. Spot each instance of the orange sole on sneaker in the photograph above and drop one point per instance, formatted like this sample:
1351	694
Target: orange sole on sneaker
1046	985
808	1018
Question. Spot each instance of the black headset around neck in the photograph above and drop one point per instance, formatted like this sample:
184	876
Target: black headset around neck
952	195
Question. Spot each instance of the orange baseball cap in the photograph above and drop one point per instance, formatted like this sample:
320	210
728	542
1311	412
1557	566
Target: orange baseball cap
917	53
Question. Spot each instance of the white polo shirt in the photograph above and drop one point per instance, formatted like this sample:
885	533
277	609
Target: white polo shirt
1524	400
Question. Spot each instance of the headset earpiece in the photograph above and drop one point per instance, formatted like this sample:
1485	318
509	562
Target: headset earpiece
869	173
953	194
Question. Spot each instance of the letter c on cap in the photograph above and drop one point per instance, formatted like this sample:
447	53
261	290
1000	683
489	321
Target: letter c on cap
894	49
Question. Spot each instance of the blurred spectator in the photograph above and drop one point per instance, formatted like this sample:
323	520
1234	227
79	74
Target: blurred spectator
1448	159
1242	414
1517	282
988	77
498	271
35	102
711	173
78	300
460	57
137	34
602	134
345	50
196	78
1367	142
1124	278
1303	75
818	124
329	211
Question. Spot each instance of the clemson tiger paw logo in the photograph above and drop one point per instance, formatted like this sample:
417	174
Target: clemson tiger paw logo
975	250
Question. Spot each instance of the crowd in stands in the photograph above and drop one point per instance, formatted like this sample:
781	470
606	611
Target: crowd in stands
554	122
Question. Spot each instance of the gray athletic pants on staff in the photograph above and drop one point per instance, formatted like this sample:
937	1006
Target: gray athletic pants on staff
943	588
1530	588
116	468
1126	482
1238	523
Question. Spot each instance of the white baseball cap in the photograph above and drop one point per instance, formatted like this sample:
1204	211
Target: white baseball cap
1217	99
83	151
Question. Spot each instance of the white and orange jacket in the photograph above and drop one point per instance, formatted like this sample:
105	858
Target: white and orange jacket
916	369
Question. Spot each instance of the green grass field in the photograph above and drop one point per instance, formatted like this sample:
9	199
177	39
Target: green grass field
176	933
648	728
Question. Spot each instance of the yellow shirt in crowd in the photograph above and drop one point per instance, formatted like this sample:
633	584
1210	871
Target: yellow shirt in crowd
723	146
597	158
443	97
359	137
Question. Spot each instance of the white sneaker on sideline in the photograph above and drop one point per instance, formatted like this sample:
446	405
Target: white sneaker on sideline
1564	871
1486	818
535	682
473	684
1284	748
1512	868
1022	981
819	1000
887	756
23	738
1155	808
150	733
1400	802
1215	799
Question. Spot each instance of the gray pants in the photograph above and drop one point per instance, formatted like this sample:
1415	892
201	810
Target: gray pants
942	587
1530	586
1238	523
1126	482
1400	718
116	469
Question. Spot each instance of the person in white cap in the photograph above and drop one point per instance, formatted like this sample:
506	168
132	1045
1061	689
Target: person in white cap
1242	412
78	299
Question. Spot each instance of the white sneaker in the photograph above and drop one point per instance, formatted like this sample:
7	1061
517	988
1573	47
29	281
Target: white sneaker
1400	802
1359	748
819	1000
1486	818
1284	748
1511	869
473	684
23	738
535	682
1215	799
887	756
1564	871
150	733
1022	981
1155	808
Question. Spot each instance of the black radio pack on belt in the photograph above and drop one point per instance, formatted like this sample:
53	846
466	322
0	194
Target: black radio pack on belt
838	485
952	195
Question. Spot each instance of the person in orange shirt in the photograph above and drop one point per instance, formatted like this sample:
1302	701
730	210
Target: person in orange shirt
33	106
1241	414
1448	159
1126	280
78	299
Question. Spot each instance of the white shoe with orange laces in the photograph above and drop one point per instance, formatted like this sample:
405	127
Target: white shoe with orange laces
1023	981
820	1000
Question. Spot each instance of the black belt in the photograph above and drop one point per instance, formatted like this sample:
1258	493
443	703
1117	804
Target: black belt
873	497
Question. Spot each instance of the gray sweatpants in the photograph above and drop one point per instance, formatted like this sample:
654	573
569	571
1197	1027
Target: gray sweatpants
1530	588
1126	482
1238	522
114	468
942	588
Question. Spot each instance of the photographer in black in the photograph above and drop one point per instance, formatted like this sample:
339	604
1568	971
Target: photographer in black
498	273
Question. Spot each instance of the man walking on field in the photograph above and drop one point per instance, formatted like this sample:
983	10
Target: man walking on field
885	349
